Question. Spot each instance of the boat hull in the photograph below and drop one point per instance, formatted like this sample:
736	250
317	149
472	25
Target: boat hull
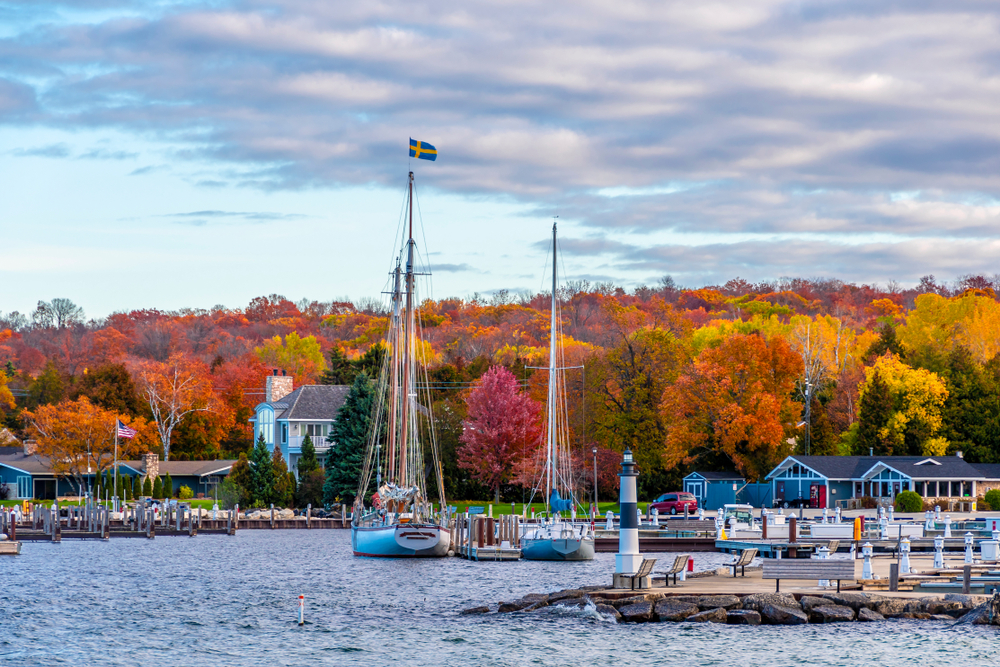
578	548
401	541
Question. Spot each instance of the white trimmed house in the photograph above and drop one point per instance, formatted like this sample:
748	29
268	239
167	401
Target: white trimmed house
287	415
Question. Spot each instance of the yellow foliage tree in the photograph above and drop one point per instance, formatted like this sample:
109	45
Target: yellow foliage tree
917	397
937	324
300	356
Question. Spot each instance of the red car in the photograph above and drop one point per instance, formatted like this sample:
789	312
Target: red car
674	503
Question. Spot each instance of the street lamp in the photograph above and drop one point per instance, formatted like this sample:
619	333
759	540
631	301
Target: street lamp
595	481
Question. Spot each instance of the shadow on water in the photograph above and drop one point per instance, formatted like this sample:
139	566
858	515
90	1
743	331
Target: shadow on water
234	601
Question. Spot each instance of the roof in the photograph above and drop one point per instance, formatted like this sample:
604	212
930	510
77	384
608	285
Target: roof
720	476
321	402
187	468
989	470
855	467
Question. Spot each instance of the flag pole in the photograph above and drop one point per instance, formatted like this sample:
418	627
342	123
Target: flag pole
116	466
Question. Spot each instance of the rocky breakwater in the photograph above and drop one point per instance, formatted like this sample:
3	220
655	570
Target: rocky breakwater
757	608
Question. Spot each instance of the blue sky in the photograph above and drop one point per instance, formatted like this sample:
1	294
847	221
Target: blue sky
188	154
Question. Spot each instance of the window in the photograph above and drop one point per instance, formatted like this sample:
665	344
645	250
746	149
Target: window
284	432
316	430
265	421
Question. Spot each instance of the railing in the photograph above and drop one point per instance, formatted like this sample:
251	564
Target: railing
295	442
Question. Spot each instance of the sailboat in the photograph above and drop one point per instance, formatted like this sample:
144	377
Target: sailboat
557	539
401	523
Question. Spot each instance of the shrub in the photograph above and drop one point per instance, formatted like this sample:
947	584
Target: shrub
993	499
185	493
909	501
147	487
168	486
158	488
136	487
868	503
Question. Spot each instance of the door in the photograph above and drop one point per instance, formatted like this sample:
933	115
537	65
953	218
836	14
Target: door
45	489
822	496
814	495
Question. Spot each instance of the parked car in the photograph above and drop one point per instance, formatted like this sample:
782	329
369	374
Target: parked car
675	502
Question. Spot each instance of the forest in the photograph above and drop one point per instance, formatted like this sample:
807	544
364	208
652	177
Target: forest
725	377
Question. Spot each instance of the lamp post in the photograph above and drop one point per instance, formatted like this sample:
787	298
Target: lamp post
808	411
595	480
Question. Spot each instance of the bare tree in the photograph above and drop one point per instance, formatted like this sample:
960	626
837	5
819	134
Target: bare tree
65	312
42	318
173	390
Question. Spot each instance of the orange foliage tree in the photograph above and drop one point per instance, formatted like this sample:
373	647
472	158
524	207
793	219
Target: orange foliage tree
733	406
173	389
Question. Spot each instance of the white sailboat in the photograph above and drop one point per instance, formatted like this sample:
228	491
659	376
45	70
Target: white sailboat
401	522
557	539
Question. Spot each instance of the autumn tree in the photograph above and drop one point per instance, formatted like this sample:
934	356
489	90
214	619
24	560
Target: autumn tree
502	428
111	387
302	357
733	406
173	390
78	438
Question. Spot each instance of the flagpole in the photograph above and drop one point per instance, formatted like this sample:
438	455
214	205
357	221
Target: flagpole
116	466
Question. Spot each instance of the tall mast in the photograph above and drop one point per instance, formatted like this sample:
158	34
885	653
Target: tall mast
407	334
394	373
550	438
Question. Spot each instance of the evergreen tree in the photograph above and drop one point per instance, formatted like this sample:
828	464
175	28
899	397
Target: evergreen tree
168	486
136	487
240	477
292	485
98	479
340	370
309	490
971	413
261	485
345	459
158	488
125	484
873	416
147	487
822	439
887	342
280	491
307	461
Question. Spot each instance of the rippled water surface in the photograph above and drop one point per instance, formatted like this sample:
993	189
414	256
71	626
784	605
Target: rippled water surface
214	600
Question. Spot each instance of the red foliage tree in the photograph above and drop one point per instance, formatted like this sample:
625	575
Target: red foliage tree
502	428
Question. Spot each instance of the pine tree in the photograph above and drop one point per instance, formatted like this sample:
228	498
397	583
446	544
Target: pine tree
168	486
261	485
136	487
307	461
126	487
340	369
280	492
158	488
147	487
240	477
874	410
345	459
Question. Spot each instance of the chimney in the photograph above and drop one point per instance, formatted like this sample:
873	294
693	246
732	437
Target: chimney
152	464
959	454
30	447
278	386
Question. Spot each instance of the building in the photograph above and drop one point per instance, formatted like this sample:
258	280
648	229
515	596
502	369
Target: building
713	489
288	415
28	476
829	481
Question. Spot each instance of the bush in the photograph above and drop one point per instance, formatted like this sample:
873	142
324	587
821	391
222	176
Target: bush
868	503
993	499
909	501
147	487
158	488
168	486
185	493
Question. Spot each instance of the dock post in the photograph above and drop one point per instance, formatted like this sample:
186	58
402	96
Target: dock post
966	579
893	577
272	516
57	526
343	515
150	524
13	527
309	509
192	528
236	518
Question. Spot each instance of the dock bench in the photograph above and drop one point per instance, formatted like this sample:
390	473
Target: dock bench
644	569
680	562
744	559
808	569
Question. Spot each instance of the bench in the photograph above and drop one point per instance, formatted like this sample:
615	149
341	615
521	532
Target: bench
644	569
745	558
808	569
680	562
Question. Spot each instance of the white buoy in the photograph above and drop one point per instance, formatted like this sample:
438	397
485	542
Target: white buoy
939	553
866	570
937	512
628	559
302	610
656	517
947	526
904	556
969	542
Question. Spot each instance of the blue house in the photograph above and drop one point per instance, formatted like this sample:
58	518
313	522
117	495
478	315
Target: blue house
828	481
713	489
288	415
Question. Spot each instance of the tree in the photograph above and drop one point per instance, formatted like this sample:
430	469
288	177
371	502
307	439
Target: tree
971	413
261	486
733	406
158	488
340	370
173	390
282	491
77	436
168	486
65	313
307	461
47	388
240	475
349	436
137	486
111	387
501	430
302	357
310	488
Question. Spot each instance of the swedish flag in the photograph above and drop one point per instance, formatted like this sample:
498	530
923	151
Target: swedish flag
423	150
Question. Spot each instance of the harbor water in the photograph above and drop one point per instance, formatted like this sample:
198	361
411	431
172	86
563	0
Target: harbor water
233	601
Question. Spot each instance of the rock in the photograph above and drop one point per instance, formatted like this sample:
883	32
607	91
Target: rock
474	610
890	606
742	617
668	610
506	607
866	615
808	602
920	615
727	602
537	605
773	614
565	595
639	612
571	603
531	598
608	610
855	601
984	614
833	613
968	601
939	607
756	601
284	514
941	617
624	602
718	615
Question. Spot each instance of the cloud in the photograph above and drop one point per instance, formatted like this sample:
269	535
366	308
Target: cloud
452	268
52	150
104	154
202	218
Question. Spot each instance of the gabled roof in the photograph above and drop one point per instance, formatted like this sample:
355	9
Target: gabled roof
187	468
989	471
855	467
718	476
314	401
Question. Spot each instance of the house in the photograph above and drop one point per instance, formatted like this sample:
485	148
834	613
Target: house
713	489
287	415
828	481
28	476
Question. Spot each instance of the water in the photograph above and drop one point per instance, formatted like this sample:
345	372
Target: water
233	601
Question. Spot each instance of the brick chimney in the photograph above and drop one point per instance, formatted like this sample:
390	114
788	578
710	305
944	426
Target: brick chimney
152	464
278	386
30	447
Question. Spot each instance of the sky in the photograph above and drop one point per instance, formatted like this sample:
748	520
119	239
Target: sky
195	153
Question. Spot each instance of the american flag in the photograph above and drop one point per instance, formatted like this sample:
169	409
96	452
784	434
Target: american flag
124	431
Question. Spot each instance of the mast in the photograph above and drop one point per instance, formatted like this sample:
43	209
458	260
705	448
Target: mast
550	438
407	334
394	374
